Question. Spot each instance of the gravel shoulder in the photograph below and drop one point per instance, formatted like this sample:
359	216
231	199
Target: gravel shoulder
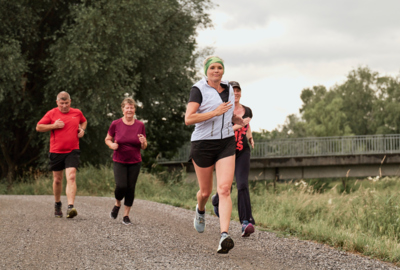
161	237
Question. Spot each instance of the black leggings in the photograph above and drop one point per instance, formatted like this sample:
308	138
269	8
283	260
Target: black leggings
126	176
242	168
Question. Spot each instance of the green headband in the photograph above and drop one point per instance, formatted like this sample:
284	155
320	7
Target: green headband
212	60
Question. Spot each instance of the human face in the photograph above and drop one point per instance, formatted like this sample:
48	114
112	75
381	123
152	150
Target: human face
215	72
129	110
64	105
238	94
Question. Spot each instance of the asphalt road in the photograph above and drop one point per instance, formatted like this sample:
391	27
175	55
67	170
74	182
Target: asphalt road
161	237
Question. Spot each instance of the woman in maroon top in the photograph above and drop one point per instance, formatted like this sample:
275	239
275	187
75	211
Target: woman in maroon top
126	136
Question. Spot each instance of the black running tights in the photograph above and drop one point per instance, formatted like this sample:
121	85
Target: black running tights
242	169
126	176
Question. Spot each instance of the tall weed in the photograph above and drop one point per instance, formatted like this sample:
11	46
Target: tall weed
365	220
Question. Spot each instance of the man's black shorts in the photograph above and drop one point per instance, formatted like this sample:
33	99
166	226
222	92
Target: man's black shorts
206	153
59	162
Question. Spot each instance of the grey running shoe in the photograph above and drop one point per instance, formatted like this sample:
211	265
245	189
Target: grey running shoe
114	212
225	244
199	221
71	212
57	211
126	221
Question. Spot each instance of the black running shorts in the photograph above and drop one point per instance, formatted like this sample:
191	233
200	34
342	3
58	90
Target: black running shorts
206	153
59	162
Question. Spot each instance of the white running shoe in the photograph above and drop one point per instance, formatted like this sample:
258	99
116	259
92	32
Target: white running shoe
199	221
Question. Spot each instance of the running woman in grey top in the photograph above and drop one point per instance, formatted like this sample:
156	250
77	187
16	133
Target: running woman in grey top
210	108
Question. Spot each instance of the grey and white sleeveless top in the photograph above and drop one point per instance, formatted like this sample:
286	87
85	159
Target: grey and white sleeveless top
218	127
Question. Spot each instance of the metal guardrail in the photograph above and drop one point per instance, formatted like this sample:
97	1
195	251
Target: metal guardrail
315	146
328	146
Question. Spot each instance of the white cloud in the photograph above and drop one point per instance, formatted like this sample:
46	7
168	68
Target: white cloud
275	49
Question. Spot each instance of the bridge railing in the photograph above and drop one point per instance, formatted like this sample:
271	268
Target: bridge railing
328	146
315	146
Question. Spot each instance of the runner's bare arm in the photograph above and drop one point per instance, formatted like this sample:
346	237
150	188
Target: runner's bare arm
249	136
109	141
237	120
191	117
82	129
48	127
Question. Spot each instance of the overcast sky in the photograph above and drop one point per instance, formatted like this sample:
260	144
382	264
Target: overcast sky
275	49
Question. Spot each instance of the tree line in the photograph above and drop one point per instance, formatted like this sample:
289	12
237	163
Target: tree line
99	52
366	103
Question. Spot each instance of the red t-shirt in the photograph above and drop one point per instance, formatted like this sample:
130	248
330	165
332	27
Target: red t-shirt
64	140
128	141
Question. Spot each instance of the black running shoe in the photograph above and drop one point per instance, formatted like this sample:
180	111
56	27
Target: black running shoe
215	203
57	211
225	244
71	212
126	221
215	199
114	212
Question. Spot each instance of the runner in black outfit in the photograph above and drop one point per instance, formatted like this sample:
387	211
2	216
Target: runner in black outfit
242	168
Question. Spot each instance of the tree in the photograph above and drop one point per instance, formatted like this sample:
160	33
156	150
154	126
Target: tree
365	103
386	109
265	135
323	113
310	97
294	127
98	51
359	95
327	118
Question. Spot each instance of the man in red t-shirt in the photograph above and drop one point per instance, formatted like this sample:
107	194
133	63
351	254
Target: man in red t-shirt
67	125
